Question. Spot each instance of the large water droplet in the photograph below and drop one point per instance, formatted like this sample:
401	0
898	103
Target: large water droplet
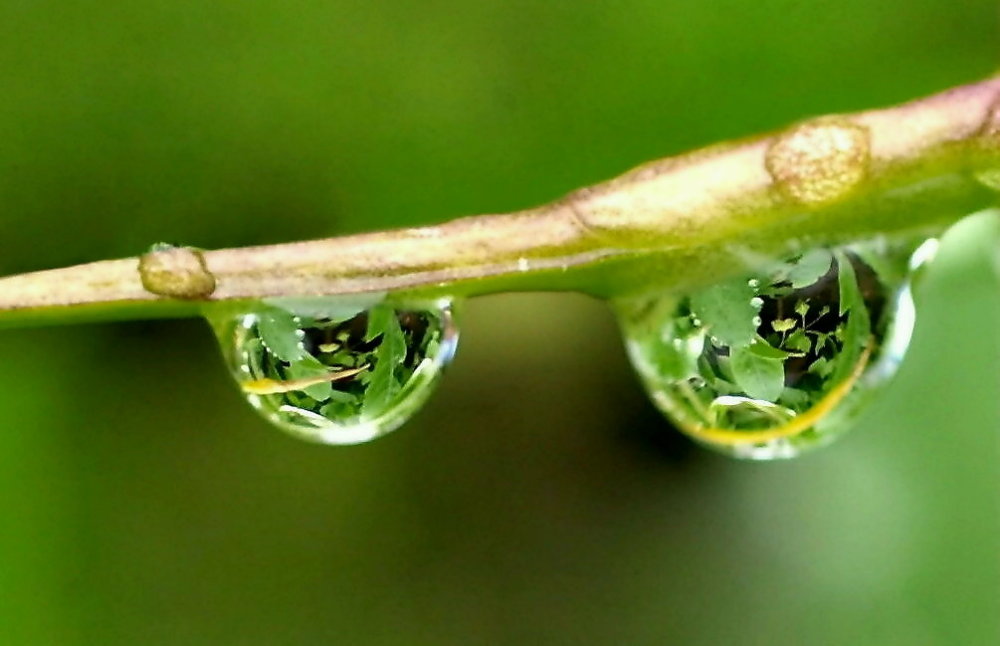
338	371
769	366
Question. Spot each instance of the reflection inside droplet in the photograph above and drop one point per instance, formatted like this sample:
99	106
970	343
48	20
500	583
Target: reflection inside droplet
824	330
335	370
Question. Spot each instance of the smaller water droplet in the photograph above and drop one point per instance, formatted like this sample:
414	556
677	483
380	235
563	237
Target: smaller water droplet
756	302
833	327
338	370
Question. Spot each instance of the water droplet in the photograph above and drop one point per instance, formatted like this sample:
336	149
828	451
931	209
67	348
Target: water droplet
819	162
753	283
832	327
177	272
336	370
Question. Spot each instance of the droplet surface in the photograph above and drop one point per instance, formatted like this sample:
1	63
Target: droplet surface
773	365
338	371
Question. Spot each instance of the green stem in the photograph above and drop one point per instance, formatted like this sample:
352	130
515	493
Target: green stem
672	223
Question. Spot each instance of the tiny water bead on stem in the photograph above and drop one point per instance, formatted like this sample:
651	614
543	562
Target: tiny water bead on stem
768	366
335	370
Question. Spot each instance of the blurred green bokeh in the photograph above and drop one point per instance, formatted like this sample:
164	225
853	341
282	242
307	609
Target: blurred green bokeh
538	499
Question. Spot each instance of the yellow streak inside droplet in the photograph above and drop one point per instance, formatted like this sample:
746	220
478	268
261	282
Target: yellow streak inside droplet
274	387
796	425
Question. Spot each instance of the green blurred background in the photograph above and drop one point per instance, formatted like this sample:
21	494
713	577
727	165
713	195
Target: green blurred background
538	499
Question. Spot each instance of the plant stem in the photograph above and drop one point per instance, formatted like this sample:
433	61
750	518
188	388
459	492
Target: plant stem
672	223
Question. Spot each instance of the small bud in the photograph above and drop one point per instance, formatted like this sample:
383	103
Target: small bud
177	272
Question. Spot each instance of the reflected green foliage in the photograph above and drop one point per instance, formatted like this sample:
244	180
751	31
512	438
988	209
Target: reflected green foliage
812	336
339	374
538	498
